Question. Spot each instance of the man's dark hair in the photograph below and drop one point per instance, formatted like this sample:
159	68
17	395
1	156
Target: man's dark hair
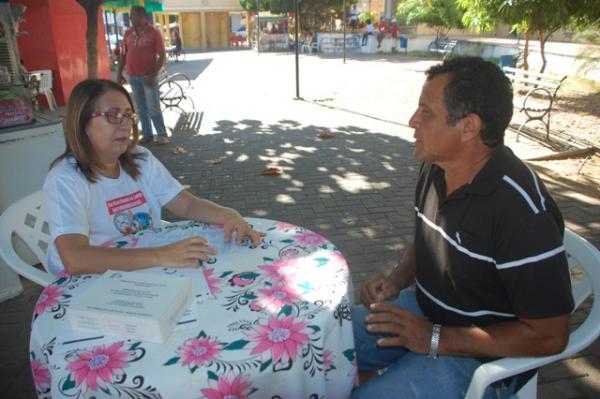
476	86
138	10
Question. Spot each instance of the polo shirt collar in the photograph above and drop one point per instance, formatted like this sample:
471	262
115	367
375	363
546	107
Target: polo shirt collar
488	178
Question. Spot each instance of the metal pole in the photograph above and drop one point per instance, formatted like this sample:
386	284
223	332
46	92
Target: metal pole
344	22
297	13
257	27
107	27
116	26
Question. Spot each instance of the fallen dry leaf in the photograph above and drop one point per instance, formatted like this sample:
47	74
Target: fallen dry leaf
325	135
178	150
271	172
216	161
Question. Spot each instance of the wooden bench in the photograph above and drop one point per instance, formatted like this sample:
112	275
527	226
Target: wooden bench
540	90
173	90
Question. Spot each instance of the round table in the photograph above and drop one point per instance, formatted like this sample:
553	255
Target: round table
275	324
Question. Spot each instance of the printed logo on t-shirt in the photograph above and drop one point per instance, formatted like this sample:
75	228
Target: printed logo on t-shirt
124	219
129	222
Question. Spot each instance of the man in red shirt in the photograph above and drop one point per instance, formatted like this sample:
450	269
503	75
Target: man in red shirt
382	31
143	51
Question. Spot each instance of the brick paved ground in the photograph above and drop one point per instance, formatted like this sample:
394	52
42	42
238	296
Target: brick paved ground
356	188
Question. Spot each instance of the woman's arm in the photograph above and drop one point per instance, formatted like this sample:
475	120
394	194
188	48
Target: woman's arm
188	206
79	257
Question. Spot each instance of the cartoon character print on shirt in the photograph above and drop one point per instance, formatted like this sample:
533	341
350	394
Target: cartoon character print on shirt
122	210
129	222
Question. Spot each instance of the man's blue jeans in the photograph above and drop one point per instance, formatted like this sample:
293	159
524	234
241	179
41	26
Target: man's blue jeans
147	105
408	374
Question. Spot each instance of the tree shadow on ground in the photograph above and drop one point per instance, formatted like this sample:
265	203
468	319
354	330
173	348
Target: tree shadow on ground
586	103
357	188
186	67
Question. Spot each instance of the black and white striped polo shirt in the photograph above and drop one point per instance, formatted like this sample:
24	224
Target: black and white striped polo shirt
493	250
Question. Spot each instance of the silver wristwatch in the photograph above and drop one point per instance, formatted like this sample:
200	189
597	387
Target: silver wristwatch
435	341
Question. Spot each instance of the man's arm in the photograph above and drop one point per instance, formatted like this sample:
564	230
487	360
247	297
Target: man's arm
523	337
160	62
120	66
380	287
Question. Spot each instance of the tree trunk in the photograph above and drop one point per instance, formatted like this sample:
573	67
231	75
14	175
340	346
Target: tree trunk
91	37
526	51
543	39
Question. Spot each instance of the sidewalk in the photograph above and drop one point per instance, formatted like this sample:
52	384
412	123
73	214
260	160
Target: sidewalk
356	188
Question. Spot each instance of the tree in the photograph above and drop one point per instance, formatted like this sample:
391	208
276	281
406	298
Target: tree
91	37
441	15
313	13
533	18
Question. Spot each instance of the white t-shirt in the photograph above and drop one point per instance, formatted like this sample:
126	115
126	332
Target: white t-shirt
108	208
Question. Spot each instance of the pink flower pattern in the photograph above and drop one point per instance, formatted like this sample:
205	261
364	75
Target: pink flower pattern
310	239
285	226
212	282
283	269
275	297
101	364
199	351
237	387
41	375
279	337
282	337
48	298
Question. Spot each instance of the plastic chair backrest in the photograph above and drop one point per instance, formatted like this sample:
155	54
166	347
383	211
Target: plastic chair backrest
580	253
46	79
27	220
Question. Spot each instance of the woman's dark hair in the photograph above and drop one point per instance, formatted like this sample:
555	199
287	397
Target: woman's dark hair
476	86
81	105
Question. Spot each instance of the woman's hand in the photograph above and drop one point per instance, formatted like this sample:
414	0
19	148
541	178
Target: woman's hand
185	253
235	223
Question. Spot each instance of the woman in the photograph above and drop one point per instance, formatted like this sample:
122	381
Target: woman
104	186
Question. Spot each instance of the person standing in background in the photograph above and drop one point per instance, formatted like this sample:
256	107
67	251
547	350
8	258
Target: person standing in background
143	51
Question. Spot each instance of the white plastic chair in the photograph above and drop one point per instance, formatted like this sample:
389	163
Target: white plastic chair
45	88
580	253
26	219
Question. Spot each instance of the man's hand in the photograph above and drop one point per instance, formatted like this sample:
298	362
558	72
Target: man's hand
407	329
235	223
120	79
378	288
185	253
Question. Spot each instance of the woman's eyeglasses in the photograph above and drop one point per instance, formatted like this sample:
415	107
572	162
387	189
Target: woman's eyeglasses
116	117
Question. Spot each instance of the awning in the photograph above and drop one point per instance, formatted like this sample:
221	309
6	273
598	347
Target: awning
125	5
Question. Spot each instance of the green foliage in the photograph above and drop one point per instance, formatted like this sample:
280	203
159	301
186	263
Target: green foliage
442	15
588	36
535	18
365	16
541	16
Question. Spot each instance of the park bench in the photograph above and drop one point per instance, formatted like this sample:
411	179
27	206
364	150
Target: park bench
540	90
173	90
445	47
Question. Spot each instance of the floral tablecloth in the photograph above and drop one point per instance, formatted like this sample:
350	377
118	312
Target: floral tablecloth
277	325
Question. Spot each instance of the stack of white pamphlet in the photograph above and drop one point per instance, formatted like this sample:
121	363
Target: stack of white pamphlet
134	305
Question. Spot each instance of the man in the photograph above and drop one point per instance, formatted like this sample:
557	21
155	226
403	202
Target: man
368	32
382	31
143	52
488	264
354	17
